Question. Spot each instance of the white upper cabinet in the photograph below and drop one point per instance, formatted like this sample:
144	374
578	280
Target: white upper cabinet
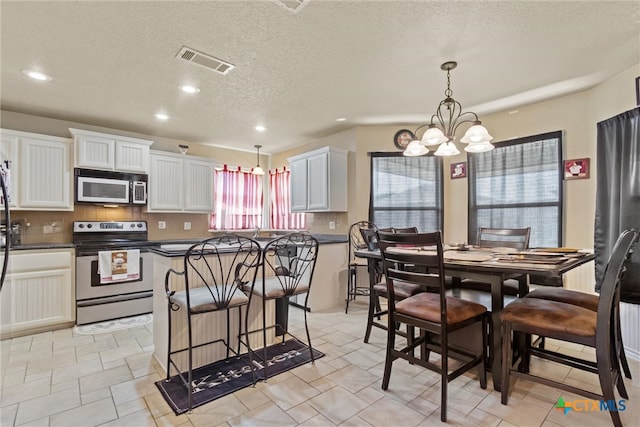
95	150
40	170
180	183
319	181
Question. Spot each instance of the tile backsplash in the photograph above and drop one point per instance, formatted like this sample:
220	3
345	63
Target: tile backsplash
56	227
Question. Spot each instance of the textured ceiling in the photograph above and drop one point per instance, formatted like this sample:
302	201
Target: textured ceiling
372	62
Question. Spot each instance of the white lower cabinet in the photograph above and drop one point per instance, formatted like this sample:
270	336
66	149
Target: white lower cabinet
180	183
38	292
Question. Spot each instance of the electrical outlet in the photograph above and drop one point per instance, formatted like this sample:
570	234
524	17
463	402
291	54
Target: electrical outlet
162	225
187	225
332	225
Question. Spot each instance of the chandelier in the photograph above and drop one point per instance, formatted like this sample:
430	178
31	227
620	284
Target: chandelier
444	123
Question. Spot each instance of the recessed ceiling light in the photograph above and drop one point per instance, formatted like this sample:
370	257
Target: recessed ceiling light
161	116
260	128
189	89
37	75
341	119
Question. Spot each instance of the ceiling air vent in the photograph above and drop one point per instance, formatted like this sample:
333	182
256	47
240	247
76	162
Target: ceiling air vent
292	6
204	60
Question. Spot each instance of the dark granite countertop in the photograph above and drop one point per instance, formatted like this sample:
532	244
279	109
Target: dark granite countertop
34	246
182	245
323	239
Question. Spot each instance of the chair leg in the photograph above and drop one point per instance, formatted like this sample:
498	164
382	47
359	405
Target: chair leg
620	347
606	382
168	343
249	351
372	304
482	374
411	332
264	339
506	361
444	374
190	373
306	326
228	332
351	281
388	362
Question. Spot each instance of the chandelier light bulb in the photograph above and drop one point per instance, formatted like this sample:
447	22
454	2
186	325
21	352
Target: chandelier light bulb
415	149
433	136
447	149
476	134
479	147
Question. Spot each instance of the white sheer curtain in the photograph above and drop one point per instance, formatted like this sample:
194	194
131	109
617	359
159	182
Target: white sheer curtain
280	202
238	200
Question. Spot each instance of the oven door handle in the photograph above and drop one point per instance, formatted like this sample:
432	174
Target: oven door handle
115	298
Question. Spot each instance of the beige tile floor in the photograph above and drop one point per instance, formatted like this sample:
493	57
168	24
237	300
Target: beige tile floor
61	379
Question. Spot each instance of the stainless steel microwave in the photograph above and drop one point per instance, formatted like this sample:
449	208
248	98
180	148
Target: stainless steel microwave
107	187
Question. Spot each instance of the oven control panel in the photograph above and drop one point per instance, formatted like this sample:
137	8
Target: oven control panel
108	226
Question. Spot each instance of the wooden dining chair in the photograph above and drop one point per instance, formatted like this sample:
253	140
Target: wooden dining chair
516	238
218	275
378	288
590	302
432	312
574	324
357	241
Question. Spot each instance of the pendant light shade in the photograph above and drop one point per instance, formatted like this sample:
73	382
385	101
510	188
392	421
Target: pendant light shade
257	170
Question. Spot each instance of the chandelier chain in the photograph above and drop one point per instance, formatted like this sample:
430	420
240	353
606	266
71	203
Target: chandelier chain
448	91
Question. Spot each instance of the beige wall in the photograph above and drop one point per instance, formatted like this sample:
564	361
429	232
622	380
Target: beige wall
576	115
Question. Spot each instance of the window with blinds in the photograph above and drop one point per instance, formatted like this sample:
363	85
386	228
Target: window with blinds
406	191
517	185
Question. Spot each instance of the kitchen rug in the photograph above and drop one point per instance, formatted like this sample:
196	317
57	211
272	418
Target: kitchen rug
222	378
113	325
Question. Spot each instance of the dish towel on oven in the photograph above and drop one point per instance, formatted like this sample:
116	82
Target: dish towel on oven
119	266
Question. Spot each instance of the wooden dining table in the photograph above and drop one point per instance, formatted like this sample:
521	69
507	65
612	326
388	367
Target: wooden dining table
494	266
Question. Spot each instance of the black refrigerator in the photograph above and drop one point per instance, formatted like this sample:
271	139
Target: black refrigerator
5	197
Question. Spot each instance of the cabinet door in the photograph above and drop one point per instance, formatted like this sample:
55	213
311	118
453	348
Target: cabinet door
9	151
95	152
166	183
198	186
132	157
38	293
318	182
45	178
35	300
298	185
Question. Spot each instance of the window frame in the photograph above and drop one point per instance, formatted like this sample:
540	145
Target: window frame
440	177
472	221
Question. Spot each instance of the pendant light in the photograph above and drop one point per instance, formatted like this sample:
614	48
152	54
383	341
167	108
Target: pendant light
257	170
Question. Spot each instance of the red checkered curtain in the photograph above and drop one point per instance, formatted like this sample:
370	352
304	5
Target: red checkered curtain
280	195
238	200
